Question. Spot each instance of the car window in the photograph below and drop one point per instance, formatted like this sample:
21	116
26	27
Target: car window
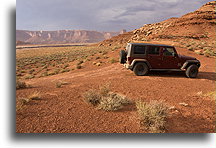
139	49
168	51
154	50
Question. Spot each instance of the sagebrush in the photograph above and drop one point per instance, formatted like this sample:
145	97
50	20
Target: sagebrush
152	115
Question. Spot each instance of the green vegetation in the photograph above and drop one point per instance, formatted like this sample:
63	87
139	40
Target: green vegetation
37	62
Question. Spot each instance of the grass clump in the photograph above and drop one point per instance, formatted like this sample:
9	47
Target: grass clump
92	97
20	84
112	60
208	52
105	100
113	102
34	96
211	94
104	89
152	115
78	66
60	83
24	101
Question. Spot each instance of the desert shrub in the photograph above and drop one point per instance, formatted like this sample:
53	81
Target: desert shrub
208	52
104	52
113	102
191	48
199	52
64	70
24	101
78	66
29	76
34	96
113	60
80	62
104	89
20	84
60	83
31	71
92	97
105	57
104	99
44	74
152	115
109	104
96	58
51	73
66	65
211	94
22	71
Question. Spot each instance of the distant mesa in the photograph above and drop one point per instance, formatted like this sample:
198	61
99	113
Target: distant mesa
21	43
62	36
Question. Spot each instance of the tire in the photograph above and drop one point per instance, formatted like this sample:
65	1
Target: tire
123	56
140	69
192	71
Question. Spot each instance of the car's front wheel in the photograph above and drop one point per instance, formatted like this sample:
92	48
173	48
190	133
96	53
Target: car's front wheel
192	71
140	69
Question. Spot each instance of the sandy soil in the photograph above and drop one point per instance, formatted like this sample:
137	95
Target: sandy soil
62	110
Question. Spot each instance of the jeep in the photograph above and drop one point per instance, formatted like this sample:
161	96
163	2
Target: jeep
144	57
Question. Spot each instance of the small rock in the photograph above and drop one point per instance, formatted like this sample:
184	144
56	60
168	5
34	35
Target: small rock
184	104
94	63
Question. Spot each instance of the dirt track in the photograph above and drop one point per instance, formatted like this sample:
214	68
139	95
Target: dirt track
62	110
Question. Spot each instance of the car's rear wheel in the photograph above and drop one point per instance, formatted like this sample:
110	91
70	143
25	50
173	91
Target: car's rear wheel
140	69
192	71
123	56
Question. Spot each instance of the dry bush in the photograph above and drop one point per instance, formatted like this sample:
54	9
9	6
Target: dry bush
24	101
34	96
152	115
105	100
21	102
60	83
92	97
20	84
211	94
113	102
112	60
78	66
208	52
104	89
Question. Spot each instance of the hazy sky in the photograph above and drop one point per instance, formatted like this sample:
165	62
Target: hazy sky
101	15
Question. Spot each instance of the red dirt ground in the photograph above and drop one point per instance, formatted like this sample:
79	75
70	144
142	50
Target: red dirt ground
62	110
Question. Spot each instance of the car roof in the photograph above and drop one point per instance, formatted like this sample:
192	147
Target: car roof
149	44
